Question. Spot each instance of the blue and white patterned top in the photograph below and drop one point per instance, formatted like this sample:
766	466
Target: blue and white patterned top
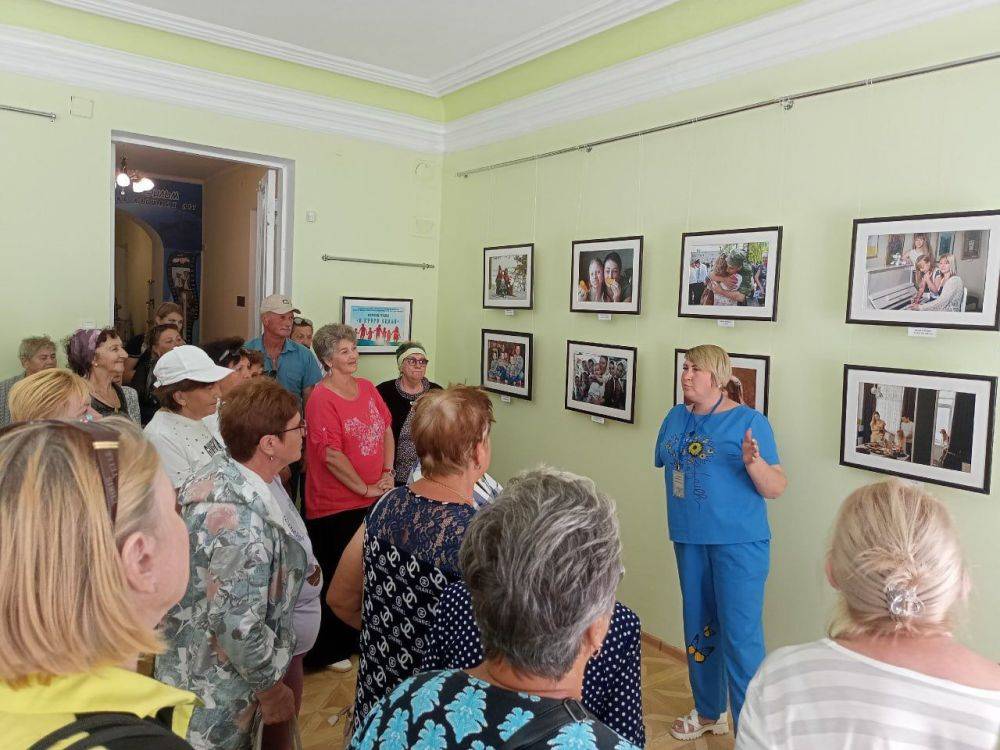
452	710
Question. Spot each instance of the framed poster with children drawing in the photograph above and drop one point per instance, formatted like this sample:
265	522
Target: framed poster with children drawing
600	380
506	361
508	276
381	323
730	274
932	270
606	275
749	385
930	426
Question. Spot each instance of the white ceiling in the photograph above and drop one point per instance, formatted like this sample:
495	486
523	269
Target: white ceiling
430	46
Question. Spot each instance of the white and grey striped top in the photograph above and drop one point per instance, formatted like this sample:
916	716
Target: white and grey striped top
822	696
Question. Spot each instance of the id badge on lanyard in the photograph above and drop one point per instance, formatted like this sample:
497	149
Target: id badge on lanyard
678	484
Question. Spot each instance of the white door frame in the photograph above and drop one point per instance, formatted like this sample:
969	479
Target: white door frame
286	182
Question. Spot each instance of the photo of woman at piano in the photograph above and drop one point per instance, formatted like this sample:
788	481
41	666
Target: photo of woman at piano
951	291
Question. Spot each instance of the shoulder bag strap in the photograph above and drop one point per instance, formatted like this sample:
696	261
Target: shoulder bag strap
546	724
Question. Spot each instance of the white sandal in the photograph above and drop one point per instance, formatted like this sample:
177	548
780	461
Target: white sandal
692	728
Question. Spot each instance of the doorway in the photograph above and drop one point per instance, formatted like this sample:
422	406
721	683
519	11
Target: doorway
211	235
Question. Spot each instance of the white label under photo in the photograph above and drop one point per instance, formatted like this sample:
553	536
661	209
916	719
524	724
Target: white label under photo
598	420
922	333
508	312
604	316
727	323
505	399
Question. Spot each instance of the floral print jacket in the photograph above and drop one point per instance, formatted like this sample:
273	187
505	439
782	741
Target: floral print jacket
231	635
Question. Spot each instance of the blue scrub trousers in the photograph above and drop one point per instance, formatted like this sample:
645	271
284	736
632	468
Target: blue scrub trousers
722	586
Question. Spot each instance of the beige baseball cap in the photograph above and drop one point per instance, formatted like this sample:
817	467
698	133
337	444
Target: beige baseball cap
277	303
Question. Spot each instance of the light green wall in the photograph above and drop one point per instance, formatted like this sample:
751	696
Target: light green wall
56	238
162	45
679	22
915	146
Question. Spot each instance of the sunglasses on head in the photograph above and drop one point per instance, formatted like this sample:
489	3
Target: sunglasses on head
302	322
104	445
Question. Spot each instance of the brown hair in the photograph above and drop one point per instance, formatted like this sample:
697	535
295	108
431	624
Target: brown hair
158	330
32	345
166	308
257	408
82	346
165	393
255	357
65	605
45	394
447	426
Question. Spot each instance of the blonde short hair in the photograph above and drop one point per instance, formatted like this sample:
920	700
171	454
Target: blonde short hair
33	345
65	605
896	561
45	394
447	426
713	359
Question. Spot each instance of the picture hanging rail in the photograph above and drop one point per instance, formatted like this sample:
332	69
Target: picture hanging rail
407	264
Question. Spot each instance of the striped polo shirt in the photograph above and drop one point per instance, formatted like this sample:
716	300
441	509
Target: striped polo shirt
822	696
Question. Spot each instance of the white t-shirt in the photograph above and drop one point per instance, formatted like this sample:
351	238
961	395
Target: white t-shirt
212	423
822	696
184	445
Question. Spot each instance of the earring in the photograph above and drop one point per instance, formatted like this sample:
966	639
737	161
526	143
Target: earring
270	458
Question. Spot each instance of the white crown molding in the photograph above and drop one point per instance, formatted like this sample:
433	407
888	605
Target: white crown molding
587	22
41	55
123	10
806	29
592	19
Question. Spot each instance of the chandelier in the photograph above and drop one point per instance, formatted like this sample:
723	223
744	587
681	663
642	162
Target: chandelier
126	177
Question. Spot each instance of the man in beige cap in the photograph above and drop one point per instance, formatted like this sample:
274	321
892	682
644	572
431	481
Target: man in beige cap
291	364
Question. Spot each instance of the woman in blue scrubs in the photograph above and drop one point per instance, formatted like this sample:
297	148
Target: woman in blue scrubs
720	462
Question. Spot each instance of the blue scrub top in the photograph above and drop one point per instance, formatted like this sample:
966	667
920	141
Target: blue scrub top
720	503
296	369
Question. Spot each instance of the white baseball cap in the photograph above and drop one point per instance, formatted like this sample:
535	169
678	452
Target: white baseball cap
278	303
187	363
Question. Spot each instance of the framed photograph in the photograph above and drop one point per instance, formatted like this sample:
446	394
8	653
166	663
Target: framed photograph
381	323
935	270
508	276
932	426
750	383
730	274
606	276
600	380
506	360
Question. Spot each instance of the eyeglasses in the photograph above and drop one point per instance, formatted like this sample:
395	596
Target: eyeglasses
103	443
416	362
300	426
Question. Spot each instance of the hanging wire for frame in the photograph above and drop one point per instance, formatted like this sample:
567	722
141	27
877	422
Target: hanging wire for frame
786	102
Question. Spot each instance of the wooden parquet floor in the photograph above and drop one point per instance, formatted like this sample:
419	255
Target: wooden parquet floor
665	695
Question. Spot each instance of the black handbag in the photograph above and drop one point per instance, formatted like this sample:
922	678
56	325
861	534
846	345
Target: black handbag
114	731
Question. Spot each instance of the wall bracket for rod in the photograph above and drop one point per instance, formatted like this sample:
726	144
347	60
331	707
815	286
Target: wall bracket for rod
343	259
50	116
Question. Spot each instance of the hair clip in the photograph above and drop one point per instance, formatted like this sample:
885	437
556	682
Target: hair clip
903	603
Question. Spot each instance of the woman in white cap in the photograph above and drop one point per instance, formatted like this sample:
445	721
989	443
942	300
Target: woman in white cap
399	395
187	387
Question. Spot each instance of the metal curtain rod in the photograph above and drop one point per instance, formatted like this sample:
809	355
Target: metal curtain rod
23	111
421	266
785	101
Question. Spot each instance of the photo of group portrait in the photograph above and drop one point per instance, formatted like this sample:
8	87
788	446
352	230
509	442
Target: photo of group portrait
937	270
508	276
749	384
730	274
380	323
600	379
606	275
935	427
506	362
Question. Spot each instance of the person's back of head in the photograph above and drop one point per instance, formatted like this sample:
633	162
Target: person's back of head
49	394
447	426
65	602
895	558
542	564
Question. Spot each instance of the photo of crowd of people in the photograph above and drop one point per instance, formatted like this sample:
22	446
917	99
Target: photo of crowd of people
748	385
925	271
730	274
606	275
600	379
927	425
507	281
506	362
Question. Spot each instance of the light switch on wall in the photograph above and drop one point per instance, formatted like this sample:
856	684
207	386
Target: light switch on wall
310	216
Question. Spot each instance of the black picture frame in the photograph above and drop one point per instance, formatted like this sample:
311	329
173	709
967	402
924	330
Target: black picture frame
629	353
767	312
979	443
862	309
736	360
392	343
529	280
526	340
579	247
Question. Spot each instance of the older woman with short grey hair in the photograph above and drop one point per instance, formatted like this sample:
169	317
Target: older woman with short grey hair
542	565
36	353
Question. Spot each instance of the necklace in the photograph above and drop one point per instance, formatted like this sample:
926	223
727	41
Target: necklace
452	490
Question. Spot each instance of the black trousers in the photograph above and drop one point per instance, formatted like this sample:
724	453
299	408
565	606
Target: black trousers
329	536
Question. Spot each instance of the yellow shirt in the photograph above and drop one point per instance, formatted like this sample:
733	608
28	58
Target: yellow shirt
33	710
